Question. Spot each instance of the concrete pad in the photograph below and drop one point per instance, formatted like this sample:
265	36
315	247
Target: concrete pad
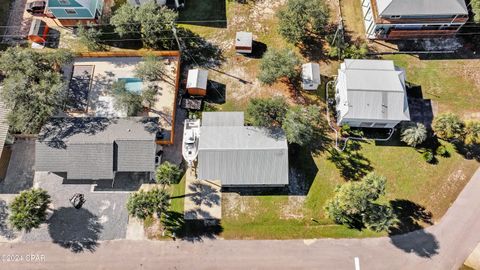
203	199
135	229
473	261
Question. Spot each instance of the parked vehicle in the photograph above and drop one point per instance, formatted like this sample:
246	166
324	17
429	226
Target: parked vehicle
36	7
191	134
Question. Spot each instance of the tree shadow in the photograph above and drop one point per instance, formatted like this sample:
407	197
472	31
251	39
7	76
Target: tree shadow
468	151
216	92
352	164
421	110
411	216
210	13
5	230
258	50
408	234
203	194
312	48
57	130
197	230
420	242
199	52
303	170
75	229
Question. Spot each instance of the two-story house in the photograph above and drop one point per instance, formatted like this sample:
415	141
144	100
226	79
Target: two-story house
401	19
72	12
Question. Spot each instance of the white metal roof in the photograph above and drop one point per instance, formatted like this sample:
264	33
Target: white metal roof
311	73
222	119
197	78
373	89
244	39
3	125
421	7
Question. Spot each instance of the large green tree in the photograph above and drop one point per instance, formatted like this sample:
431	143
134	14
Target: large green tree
144	204
355	204
300	19
413	134
29	209
267	112
448	126
301	124
153	23
151	68
89	36
277	64
33	89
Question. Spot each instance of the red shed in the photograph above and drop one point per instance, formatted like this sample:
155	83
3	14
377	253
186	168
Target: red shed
38	31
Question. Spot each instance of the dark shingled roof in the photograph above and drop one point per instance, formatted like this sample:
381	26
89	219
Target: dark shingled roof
96	148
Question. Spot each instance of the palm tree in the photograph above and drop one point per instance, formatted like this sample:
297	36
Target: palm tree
144	204
413	134
29	209
448	126
167	173
472	132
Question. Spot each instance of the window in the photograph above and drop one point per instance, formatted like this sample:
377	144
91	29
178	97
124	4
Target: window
70	11
395	17
63	2
366	124
379	125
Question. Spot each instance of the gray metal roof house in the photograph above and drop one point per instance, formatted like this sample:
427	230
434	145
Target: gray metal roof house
93	148
371	93
239	155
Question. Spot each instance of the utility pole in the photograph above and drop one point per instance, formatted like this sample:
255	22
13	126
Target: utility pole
174	30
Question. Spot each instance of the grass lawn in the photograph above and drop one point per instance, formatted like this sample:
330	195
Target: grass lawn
153	227
412	183
453	84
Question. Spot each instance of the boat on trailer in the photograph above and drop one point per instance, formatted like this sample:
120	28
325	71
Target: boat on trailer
191	134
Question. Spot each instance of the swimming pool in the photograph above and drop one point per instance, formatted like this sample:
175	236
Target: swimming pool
132	84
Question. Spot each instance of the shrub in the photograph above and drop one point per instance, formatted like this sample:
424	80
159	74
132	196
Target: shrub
472	132
448	126
428	156
29	209
413	134
442	151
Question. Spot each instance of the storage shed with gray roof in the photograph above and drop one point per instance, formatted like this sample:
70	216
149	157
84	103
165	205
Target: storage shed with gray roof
371	93
96	148
239	155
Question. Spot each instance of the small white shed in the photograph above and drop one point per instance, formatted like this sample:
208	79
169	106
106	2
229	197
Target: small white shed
197	82
310	76
244	42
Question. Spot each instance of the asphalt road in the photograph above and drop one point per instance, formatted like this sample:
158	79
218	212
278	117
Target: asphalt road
442	246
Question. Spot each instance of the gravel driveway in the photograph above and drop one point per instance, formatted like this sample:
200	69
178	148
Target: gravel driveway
102	217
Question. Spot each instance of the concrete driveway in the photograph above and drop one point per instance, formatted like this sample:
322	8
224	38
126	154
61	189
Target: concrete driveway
20	168
102	217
